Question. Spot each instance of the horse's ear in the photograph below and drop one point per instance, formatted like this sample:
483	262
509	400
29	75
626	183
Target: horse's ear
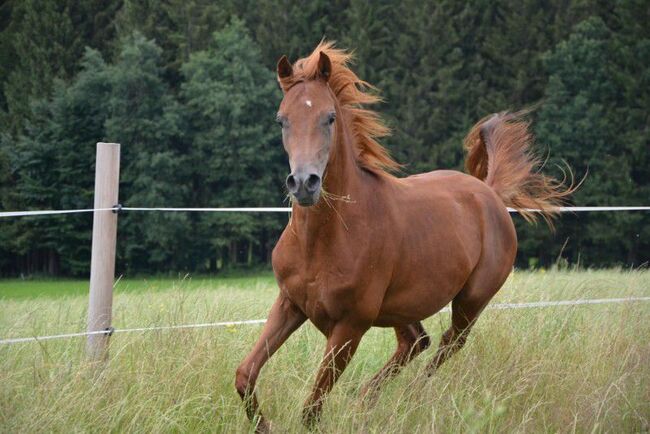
285	69
324	66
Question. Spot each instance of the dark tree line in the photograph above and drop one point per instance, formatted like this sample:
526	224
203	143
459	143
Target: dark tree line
188	88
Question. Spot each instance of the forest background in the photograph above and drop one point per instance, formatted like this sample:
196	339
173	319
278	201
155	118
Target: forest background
188	88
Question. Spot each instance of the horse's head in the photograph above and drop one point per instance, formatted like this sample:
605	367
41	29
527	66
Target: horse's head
307	115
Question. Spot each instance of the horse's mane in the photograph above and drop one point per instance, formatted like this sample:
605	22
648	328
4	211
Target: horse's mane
352	94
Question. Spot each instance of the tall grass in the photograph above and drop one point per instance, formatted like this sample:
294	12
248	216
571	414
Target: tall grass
560	369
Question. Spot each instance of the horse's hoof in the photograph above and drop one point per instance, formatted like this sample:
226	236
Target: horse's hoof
263	427
311	416
369	395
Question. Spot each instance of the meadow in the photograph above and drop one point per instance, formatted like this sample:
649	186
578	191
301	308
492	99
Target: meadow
557	369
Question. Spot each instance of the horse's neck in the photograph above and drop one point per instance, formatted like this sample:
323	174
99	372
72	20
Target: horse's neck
343	175
343	188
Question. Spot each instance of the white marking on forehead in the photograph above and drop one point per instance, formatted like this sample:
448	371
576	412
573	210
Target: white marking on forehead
308	102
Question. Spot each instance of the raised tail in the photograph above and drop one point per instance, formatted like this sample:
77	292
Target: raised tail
499	153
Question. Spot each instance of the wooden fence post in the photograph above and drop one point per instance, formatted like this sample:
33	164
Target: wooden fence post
102	265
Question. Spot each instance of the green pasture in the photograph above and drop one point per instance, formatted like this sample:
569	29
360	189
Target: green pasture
55	288
560	369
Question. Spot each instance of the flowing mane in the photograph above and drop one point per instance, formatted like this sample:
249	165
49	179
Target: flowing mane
352	94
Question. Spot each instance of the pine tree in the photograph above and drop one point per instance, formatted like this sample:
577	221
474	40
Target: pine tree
6	227
145	118
42	47
294	28
44	40
179	27
231	99
585	121
53	166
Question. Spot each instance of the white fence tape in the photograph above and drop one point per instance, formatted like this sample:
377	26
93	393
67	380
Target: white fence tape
500	306
592	208
132	330
49	212
75	211
496	306
281	209
245	209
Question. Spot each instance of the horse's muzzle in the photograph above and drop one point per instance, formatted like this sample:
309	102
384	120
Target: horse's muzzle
304	187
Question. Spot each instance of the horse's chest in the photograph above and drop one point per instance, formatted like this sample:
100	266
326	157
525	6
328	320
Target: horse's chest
311	296
323	292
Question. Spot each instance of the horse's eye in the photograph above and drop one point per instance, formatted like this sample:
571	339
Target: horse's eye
331	118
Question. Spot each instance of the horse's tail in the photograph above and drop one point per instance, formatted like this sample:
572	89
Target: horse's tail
499	153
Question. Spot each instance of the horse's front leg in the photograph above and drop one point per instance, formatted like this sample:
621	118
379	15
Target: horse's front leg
342	342
284	319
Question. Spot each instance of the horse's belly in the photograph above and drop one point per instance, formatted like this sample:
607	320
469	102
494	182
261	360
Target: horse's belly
417	302
428	276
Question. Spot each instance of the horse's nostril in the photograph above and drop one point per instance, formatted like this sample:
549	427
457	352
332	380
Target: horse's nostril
292	185
312	182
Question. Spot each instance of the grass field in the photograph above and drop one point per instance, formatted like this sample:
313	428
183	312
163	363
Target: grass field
559	369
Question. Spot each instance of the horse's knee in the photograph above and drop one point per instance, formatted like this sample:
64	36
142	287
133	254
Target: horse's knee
446	338
416	340
244	380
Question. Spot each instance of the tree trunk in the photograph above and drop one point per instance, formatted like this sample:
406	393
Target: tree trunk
233	253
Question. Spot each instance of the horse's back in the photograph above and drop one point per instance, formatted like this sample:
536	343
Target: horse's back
457	193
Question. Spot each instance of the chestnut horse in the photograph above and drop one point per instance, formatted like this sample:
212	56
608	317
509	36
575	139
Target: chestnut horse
364	248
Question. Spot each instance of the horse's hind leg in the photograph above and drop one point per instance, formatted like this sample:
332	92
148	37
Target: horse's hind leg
454	338
465	310
412	339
